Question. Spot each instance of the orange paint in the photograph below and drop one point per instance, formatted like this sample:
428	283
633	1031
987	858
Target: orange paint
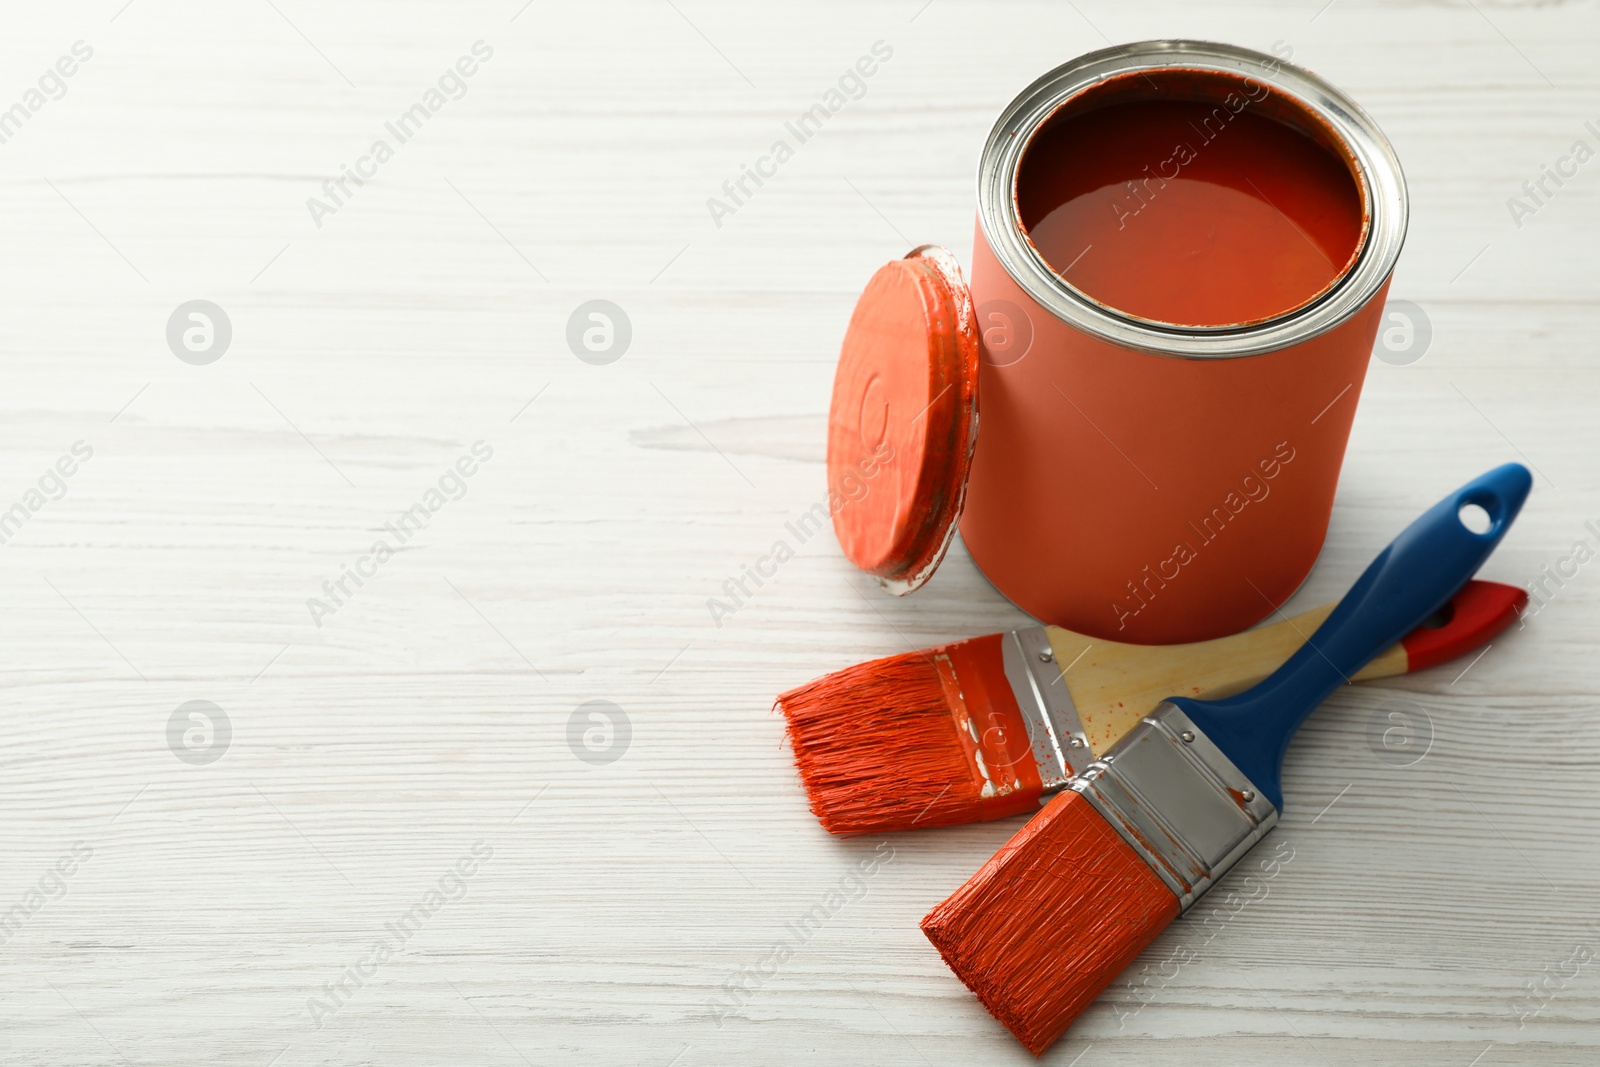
935	738
903	392
1104	467
1051	920
1000	762
1120	486
910	742
1189	211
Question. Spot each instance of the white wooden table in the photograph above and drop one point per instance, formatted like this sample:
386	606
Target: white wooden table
412	737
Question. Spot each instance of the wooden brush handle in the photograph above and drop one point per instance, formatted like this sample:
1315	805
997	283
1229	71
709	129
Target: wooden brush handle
1113	684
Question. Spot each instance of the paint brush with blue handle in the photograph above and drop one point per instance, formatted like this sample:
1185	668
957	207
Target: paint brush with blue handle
1139	836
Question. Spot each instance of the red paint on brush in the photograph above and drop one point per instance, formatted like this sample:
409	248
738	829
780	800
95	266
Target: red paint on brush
1050	920
1205	212
1473	617
931	738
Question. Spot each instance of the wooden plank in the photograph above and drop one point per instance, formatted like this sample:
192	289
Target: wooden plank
433	709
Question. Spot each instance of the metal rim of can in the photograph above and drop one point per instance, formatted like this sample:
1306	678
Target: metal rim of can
1377	169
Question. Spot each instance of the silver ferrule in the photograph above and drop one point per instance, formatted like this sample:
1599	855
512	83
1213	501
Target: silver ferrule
1178	801
1055	733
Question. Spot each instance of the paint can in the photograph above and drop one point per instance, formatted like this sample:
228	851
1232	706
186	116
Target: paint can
1113	472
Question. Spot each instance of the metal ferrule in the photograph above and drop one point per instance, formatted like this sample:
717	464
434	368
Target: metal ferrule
1178	801
1055	733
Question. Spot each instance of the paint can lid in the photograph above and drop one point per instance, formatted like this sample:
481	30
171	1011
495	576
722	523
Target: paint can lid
904	419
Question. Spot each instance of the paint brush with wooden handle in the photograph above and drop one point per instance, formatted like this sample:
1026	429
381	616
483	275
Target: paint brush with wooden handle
1138	837
987	728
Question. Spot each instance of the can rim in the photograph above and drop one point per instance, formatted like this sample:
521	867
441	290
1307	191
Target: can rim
1378	168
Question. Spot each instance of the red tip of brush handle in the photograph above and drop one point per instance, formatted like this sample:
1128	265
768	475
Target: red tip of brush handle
1471	619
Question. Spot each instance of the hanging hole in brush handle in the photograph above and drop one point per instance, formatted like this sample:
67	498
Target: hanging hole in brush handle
1475	518
1411	579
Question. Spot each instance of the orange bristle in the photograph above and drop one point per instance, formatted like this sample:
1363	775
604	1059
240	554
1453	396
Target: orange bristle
1050	920
913	741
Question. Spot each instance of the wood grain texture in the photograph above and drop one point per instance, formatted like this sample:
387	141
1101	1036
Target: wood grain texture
432	710
1113	685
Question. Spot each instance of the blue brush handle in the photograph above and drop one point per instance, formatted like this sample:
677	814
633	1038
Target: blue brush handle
1423	567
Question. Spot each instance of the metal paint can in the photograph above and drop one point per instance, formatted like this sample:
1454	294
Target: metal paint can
1141	481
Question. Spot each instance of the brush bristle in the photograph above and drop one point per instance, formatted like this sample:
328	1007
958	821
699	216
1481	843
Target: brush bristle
1051	920
913	741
